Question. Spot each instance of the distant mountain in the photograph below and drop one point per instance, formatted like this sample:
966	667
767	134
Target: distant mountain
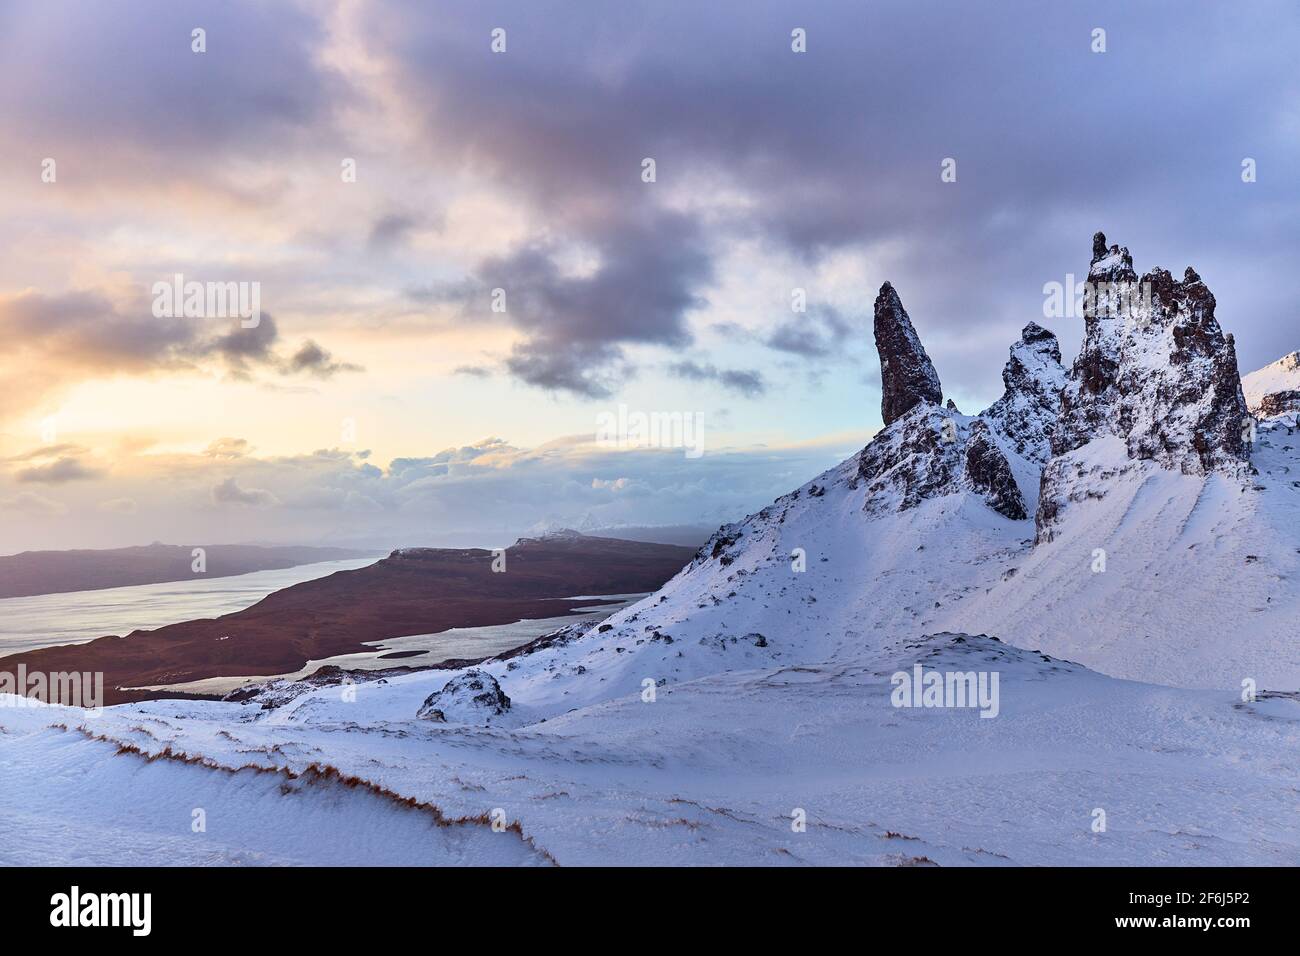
56	572
1274	389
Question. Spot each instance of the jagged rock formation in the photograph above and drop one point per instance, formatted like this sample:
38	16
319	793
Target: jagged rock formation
1029	408
907	377
926	450
1155	370
471	697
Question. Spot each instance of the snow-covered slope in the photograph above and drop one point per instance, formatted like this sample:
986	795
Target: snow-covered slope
719	770
1274	389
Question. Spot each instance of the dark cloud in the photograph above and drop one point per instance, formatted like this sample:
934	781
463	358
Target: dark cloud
313	359
745	381
88	330
552	364
88	333
841	147
820	333
393	230
244	347
59	471
640	290
125	78
229	492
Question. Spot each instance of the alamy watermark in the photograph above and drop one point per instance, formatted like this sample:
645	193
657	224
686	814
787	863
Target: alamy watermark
82	689
133	911
1105	299
933	688
208	300
634	429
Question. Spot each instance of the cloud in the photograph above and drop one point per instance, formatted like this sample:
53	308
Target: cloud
228	448
91	334
86	330
60	471
747	382
820	333
484	493
394	229
313	359
616	484
50	451
584	370
644	281
260	84
229	492
756	143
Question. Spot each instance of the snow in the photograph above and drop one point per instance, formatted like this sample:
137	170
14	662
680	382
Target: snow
713	771
1281	376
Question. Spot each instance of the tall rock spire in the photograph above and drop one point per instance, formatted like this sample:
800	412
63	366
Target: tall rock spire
907	377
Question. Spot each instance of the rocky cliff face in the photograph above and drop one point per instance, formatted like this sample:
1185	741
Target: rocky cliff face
1155	370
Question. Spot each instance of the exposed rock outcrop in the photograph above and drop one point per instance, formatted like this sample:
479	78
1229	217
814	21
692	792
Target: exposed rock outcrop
907	377
917	457
1028	410
1155	373
927	450
1155	370
472	697
1278	403
990	473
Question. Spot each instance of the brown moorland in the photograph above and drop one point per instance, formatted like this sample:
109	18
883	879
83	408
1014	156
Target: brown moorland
412	591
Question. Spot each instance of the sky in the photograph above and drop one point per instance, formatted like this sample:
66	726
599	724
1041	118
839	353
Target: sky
464	267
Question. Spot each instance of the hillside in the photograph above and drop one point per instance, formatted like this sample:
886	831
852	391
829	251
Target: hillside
54	572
